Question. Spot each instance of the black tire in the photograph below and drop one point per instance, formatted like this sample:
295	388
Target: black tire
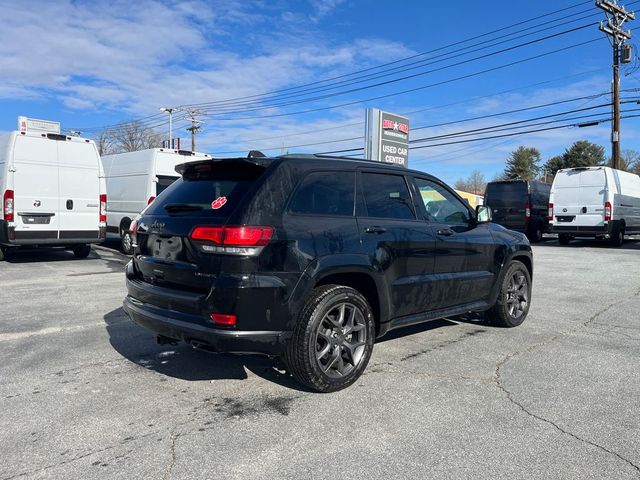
617	235
535	234
510	311
2	255
564	238
126	242
346	353
82	251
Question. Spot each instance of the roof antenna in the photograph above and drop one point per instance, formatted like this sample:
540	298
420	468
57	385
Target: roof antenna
256	154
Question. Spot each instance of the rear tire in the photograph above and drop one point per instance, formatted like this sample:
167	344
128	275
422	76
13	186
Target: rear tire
82	251
535	234
564	238
2	254
332	340
512	305
617	235
126	242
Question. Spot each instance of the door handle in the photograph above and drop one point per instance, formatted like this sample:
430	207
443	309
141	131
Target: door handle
446	232
375	229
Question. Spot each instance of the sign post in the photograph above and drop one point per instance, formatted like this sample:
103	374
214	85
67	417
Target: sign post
386	137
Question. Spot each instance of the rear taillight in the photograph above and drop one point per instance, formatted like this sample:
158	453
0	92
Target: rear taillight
133	232
222	319
103	207
240	240
607	211
551	211
151	199
7	205
527	210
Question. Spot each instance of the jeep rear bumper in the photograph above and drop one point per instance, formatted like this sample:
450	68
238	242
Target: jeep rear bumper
188	328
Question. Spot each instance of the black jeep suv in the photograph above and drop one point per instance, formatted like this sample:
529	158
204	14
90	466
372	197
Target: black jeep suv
312	258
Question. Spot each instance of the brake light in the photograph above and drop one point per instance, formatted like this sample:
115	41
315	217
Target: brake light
527	210
241	240
222	319
133	232
607	211
551	211
7	205
103	208
151	199
234	236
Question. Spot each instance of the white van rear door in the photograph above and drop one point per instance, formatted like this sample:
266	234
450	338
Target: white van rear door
35	185
579	197
79	190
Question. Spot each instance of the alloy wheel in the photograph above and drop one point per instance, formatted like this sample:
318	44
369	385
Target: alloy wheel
340	340
517	295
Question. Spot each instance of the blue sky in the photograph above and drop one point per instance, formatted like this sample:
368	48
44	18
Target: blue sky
91	64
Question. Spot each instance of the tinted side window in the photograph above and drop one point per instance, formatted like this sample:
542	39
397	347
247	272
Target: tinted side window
386	196
325	193
441	205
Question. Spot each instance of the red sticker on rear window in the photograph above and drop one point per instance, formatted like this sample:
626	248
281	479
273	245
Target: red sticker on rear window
218	203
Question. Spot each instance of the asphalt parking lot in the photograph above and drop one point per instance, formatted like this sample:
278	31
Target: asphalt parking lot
85	393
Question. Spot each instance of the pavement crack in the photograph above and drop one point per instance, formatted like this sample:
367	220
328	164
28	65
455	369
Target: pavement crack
173	436
497	379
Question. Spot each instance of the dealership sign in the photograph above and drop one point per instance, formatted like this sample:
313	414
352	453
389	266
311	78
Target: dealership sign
386	137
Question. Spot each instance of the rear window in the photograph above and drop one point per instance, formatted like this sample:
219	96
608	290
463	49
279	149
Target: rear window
387	196
208	190
506	193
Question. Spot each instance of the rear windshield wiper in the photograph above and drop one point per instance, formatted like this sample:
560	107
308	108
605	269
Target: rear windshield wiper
183	207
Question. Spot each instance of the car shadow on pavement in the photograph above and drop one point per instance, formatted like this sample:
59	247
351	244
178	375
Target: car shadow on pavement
181	361
45	254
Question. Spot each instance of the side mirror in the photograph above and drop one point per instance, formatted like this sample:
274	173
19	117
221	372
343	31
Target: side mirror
483	214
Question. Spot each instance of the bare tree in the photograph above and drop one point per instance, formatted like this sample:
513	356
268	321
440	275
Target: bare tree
474	183
127	137
104	142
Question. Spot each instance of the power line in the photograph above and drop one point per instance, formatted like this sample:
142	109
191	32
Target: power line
406	77
142	121
224	105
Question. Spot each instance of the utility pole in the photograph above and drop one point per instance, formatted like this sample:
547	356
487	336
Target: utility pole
193	128
616	16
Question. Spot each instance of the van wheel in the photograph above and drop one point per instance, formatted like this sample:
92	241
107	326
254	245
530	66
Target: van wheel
564	238
126	242
332	340
2	254
512	306
535	235
617	236
82	251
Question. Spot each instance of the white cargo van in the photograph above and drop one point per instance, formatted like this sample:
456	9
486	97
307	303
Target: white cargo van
52	187
134	179
595	202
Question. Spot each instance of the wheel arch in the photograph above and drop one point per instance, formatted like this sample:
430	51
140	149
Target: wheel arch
125	222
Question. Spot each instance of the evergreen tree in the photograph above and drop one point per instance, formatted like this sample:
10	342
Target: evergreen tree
522	163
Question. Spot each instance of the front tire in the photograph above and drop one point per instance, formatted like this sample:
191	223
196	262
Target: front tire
82	251
332	340
512	306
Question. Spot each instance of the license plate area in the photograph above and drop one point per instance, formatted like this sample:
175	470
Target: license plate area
566	218
164	247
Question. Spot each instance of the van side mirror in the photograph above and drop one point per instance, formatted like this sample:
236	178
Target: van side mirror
483	214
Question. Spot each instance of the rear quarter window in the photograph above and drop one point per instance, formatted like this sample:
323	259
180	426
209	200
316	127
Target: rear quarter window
325	193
